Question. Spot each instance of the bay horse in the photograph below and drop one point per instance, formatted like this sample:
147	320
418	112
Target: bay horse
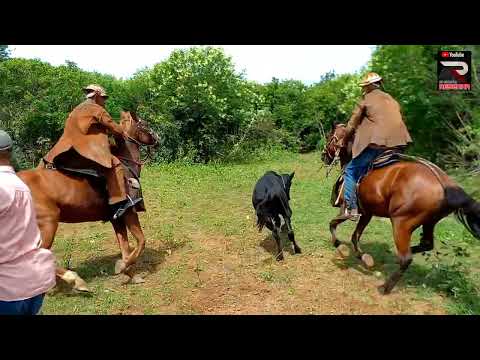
411	193
65	197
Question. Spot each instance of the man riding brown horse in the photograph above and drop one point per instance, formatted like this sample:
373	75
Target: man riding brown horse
84	144
412	192
75	194
378	126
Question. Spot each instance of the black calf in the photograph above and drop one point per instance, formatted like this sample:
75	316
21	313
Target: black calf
270	200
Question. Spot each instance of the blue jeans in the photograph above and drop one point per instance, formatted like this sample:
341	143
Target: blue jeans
354	170
22	307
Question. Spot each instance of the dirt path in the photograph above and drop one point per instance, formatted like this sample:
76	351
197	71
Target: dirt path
214	275
253	283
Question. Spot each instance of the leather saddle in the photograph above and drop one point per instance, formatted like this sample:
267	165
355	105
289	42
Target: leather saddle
387	158
132	182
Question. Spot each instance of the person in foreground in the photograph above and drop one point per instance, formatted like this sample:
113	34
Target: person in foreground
27	271
378	126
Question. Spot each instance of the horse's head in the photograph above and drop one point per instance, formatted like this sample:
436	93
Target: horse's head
138	130
334	142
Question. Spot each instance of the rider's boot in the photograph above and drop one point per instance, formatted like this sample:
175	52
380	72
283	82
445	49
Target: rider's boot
119	209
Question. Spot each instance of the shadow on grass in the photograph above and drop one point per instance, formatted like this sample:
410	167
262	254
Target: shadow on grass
105	266
449	280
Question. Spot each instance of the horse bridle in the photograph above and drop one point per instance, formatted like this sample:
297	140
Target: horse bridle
336	155
327	147
139	127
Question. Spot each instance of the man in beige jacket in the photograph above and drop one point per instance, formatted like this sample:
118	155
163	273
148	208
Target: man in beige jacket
85	140
378	126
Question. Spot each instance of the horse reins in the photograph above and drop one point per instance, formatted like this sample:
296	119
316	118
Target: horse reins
129	138
336	156
334	161
139	163
138	126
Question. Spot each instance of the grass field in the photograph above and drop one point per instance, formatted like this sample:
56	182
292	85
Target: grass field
204	255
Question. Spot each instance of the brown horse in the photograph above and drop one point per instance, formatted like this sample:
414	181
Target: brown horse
411	193
61	196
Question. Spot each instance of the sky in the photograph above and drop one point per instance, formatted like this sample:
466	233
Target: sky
260	62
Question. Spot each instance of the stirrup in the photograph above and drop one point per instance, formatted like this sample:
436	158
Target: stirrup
352	217
122	209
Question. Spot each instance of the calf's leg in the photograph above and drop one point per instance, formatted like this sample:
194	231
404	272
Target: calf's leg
291	236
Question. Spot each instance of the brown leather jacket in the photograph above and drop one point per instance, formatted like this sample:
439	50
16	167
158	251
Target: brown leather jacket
86	130
377	122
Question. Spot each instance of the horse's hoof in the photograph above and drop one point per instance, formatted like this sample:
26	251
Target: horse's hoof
137	279
81	285
82	290
120	266
368	260
279	257
297	250
384	289
343	250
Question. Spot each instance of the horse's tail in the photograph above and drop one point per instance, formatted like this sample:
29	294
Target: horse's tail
466	209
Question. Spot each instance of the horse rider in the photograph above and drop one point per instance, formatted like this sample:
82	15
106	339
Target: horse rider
85	137
378	126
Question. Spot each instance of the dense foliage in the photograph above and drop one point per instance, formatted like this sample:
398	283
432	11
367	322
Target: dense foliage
198	102
204	110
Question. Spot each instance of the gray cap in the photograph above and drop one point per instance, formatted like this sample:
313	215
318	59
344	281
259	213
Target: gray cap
5	141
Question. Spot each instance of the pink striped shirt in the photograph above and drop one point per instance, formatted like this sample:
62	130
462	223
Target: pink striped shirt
26	270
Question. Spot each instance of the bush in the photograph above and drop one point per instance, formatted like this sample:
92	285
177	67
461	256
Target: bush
198	94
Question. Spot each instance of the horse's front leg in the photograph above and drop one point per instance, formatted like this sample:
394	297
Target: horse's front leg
362	224
129	256
341	247
133	224
122	238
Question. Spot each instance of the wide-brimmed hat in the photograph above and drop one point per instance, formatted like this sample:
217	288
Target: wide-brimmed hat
92	90
371	78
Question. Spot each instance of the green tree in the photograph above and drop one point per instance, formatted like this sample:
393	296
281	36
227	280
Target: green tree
198	101
286	102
